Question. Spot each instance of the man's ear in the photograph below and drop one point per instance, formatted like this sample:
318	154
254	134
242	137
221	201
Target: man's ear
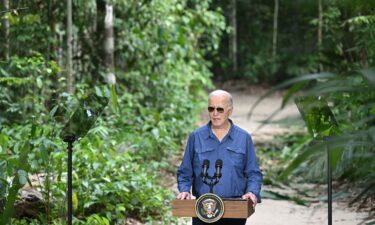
230	111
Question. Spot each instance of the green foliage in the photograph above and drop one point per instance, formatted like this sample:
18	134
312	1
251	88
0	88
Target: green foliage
97	220
16	169
113	182
155	52
351	141
347	39
24	85
349	93
161	75
28	30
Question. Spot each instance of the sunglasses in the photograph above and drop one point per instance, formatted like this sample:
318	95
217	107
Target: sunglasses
218	109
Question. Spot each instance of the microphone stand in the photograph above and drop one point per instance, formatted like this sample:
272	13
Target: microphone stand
213	181
70	140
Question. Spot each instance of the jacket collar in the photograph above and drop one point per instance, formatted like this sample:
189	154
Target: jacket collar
210	134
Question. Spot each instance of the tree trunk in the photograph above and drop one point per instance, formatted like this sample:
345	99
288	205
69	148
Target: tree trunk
275	28
52	24
60	52
109	44
99	40
233	36
5	30
320	31
69	61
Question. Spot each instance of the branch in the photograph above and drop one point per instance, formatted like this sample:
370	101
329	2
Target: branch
14	10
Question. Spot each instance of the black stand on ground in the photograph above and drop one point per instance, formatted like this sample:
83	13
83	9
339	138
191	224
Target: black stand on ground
319	120
70	140
78	126
329	180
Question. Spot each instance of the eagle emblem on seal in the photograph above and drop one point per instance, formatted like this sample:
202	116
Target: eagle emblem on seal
209	206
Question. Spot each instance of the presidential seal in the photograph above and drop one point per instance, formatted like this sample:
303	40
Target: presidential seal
209	208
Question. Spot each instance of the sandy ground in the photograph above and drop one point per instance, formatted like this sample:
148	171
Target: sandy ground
279	212
276	212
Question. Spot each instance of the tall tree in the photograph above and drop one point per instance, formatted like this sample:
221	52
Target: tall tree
320	32
5	30
100	36
52	27
233	35
69	60
109	44
275	28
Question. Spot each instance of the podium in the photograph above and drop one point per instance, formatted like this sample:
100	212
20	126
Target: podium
234	208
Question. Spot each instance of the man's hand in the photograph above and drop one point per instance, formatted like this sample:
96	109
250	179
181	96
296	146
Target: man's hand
251	196
184	195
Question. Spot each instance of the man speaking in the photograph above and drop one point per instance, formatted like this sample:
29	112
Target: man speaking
221	140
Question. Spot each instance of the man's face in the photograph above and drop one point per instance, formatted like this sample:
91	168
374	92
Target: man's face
219	111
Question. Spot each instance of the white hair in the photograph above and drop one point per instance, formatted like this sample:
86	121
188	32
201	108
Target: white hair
220	93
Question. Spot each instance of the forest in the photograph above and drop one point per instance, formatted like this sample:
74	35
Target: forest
151	64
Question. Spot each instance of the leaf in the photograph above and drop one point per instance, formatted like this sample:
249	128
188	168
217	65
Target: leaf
106	179
98	91
53	111
44	152
277	196
295	88
302	157
22	160
22	177
287	83
369	74
39	82
114	98
34	130
4	140
49	70
74	201
336	196
334	144
88	204
155	132
370	187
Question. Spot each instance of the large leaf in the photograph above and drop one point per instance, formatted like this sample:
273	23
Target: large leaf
305	78
278	196
336	144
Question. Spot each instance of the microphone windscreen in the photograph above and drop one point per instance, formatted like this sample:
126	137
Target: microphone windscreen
206	162
219	163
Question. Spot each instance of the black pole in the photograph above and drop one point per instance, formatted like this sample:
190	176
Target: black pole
329	181
211	187
70	140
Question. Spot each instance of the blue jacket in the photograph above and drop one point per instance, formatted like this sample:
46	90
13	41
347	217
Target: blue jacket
240	170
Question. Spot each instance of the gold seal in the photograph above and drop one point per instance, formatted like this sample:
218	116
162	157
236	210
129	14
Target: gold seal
209	208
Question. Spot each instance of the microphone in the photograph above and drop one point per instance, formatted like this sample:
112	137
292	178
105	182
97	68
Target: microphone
218	166
205	166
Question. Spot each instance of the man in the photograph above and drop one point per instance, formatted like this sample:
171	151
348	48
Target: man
220	139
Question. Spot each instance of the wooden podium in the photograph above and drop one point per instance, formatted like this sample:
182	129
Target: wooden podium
234	208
